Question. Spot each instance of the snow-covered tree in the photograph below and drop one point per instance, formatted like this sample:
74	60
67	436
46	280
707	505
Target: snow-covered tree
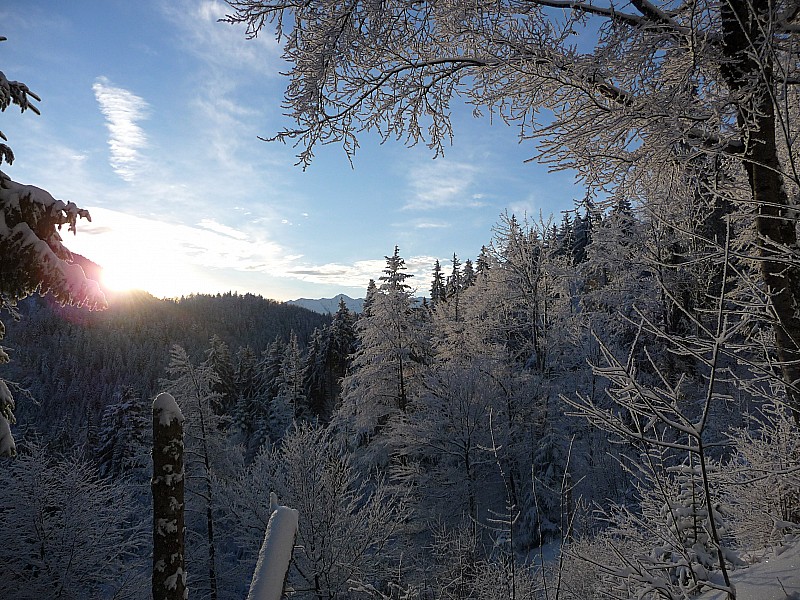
218	358
68	532
34	258
123	442
386	366
468	274
348	538
672	544
443	443
192	386
454	287
251	410
762	478
534	292
327	362
650	87
437	284
369	297
290	403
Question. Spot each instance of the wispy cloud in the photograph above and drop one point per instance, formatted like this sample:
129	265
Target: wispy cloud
430	225
222	44
122	109
528	207
358	274
170	259
212	225
227	64
442	184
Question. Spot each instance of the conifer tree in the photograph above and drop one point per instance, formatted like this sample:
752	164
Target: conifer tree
314	371
219	360
385	370
394	275
251	412
290	403
327	362
468	274
272	363
437	284
34	259
122	443
482	263
192	387
369	297
454	287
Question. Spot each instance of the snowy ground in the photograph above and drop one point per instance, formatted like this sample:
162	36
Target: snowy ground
775	577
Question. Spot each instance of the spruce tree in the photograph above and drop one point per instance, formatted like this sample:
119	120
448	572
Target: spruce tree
386	364
468	274
123	439
437	284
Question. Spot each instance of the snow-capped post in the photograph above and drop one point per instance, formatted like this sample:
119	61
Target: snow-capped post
269	577
169	573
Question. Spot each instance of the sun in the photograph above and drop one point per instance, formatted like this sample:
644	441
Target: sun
151	269
163	259
128	275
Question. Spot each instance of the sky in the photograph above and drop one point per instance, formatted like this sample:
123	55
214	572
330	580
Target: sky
150	117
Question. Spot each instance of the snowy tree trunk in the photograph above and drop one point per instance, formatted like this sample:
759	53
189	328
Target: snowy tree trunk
753	79
169	574
269	577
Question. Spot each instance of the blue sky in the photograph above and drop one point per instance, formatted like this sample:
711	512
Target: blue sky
150	117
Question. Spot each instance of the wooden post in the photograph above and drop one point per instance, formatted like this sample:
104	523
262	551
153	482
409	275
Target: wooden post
167	485
272	567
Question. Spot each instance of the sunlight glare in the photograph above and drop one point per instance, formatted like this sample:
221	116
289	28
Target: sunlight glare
128	277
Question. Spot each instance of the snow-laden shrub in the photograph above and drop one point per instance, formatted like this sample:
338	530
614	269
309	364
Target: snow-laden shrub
762	479
67	532
663	546
349	525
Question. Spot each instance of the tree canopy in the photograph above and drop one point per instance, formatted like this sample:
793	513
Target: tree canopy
643	99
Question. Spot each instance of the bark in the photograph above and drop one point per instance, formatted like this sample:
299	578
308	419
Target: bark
750	76
167	485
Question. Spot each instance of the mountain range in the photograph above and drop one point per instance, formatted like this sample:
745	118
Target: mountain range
329	305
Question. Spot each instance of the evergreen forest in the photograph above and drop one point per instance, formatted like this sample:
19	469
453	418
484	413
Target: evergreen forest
600	404
587	407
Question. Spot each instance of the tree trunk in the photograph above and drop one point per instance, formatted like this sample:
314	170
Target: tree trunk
167	486
212	570
749	74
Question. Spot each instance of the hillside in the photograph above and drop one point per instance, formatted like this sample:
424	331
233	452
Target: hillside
74	361
329	305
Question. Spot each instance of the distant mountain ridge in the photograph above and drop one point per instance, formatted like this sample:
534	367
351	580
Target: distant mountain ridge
329	305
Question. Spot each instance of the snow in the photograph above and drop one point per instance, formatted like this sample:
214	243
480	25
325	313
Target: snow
170	410
164	526
774	578
171	582
275	554
7	446
6	398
